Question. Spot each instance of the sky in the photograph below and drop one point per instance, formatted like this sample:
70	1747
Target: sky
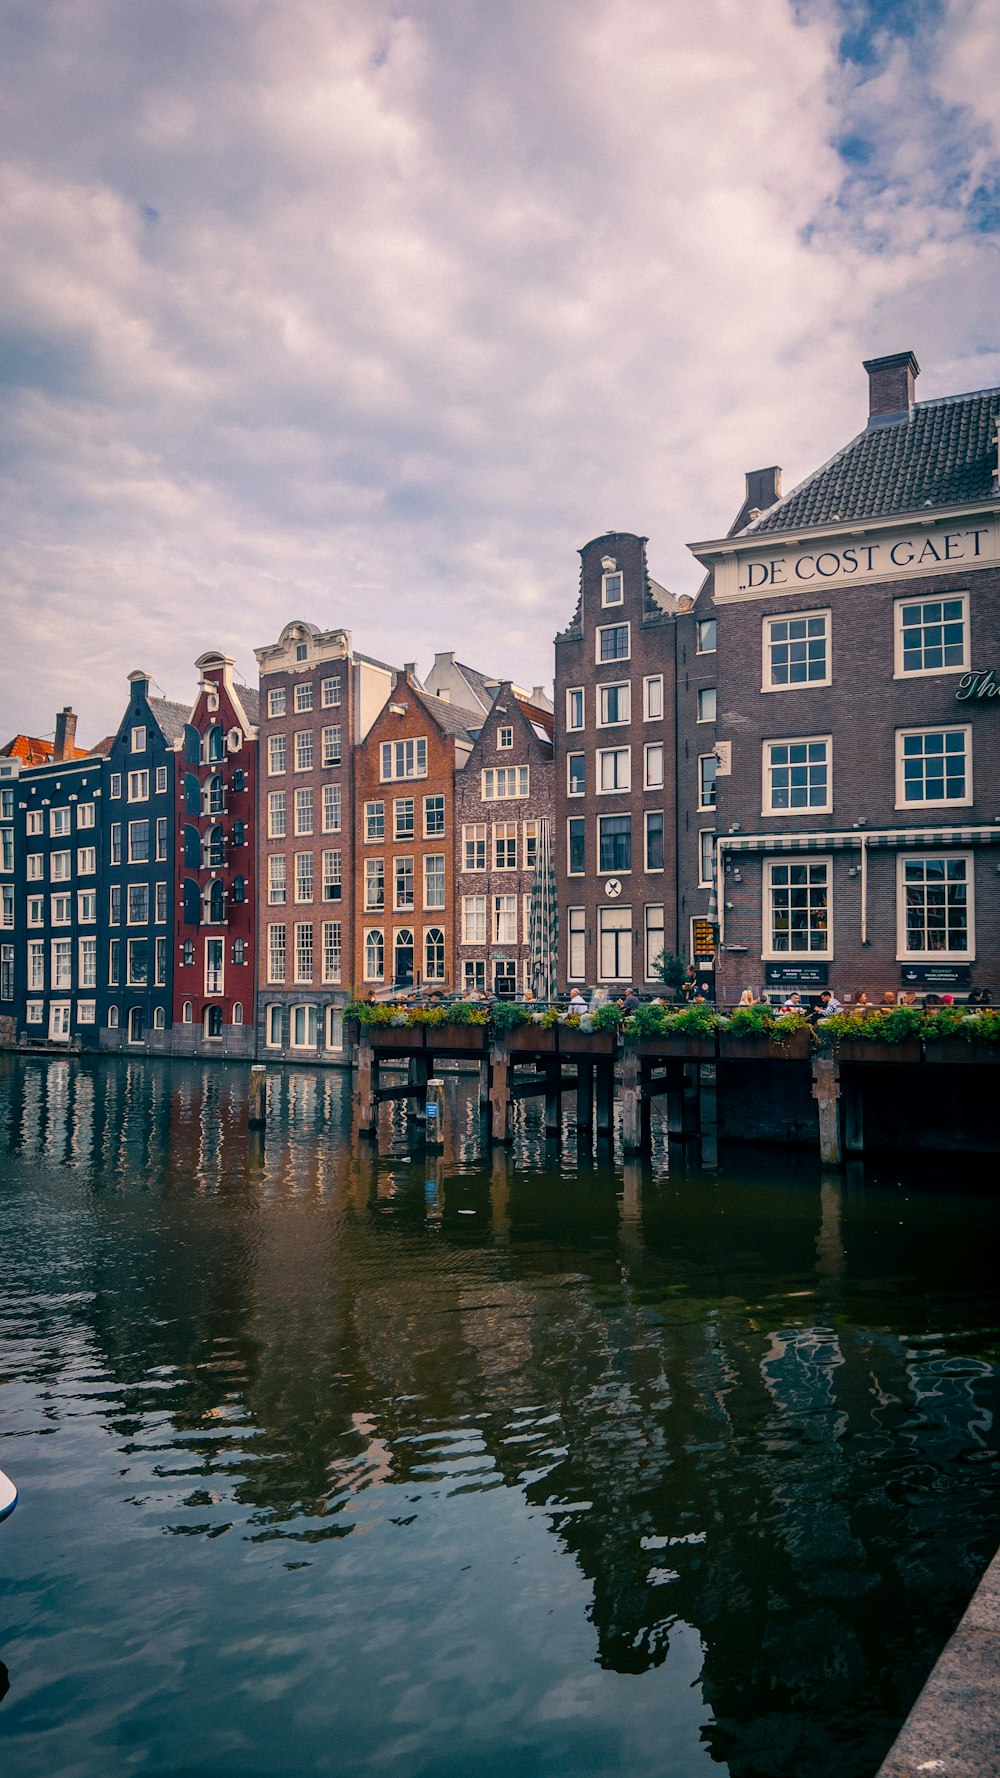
373	313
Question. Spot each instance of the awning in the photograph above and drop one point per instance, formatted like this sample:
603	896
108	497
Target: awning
937	836
789	842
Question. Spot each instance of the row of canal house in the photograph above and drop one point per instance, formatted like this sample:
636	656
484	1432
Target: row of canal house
792	779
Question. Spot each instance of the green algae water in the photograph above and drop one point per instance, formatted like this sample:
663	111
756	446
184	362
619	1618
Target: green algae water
521	1465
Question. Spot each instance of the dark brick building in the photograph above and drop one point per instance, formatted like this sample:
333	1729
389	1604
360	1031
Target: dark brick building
501	795
857	623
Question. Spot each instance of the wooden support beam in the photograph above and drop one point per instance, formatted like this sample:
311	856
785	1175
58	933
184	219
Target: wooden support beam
500	1099
418	1071
631	1101
257	1110
826	1092
366	1088
553	1097
854	1113
584	1093
605	1096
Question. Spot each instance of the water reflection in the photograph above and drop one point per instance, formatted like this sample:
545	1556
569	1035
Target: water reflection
755	1407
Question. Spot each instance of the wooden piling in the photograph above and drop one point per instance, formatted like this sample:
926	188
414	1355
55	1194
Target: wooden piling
631	1101
257	1114
366	1087
854	1119
826	1092
605	1096
584	1093
553	1097
434	1114
500	1101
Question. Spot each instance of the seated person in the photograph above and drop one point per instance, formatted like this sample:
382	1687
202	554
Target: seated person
747	998
827	1005
577	1003
792	1005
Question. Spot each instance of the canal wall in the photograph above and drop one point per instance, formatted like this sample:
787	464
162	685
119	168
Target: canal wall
953	1730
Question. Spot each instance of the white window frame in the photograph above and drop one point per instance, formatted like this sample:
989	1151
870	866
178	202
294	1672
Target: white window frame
649	752
330	693
303	698
576	944
623	916
767	808
571	758
277	701
702	691
575	691
935	728
612	660
784	860
475	834
700	624
938	855
277	749
369	933
277	814
652	693
619	685
653	870
703	806
303	1012
273	1025
138	744
570	872
615	754
899	605
505	737
435	907
648	927
86	814
780	617
473	919
609	578
703	881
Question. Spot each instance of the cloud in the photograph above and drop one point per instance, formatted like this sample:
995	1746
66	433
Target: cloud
373	313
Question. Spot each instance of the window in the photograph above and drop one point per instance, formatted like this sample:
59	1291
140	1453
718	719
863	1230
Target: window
652	698
706	857
653	766
576	774
332	885
614	704
577	954
374	956
161	904
115	787
276	953
60	866
7	803
277	701
138	904
301	651
474	846
402	880
86	815
303	876
613	642
654	839
36	964
575	707
303	811
934	899
34	821
272	1025
160	961
215	743
88	963
612	588
332	808
116	842
434	954
6	972
473	919
36	910
614	768
332	951
7	902
331	745
797	908
277	879
187	953
505	919
505	845
797	776
330	693
214	849
86	1012
706	704
404	759
35	866
614	958
138	740
654	946
214	796
114	962
138	787
304	696
404	818
115	905
433	817
614	834
303	1028
374	821
62	910
137	962
932	635
474	976
933	766
161	838
374	883
705	635
277	814
530	844
303	951
7	841
796	650
303	750
86	860
576	846
277	753
708	767
239	950
86	907
434	880
59	822
505	781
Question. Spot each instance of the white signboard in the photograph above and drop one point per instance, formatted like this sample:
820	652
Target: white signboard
876	555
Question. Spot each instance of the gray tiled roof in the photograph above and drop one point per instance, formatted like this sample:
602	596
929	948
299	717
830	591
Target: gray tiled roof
942	453
171	718
448	717
249	697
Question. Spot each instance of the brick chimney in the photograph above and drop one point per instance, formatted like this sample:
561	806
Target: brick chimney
65	735
891	385
763	488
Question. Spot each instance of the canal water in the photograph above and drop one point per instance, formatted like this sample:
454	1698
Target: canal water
522	1466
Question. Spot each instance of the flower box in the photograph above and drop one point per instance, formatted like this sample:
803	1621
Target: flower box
680	1047
958	1049
869	1049
796	1048
530	1037
456	1037
396	1037
586	1043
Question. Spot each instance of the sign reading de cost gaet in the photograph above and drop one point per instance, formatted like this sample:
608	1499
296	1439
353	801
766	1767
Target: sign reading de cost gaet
886	555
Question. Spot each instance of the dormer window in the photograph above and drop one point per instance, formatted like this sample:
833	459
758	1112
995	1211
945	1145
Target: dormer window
612	587
301	651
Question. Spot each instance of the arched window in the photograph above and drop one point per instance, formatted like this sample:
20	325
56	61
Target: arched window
374	956
402	961
213	1021
135	1031
159	1019
215	742
215	903
112	1018
237	1014
239	950
239	889
434	954
214	850
187	1013
239	833
239	779
187	948
215	799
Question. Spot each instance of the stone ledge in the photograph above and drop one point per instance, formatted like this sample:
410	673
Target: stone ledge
953	1730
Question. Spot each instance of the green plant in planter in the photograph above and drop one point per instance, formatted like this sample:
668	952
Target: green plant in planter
607	1018
691	1021
787	1027
646	1021
983	1027
508	1015
750	1021
550	1018
670	968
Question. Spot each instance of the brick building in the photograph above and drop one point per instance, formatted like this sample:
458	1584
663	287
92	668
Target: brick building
404	872
505	788
858	788
615	770
216	876
318	700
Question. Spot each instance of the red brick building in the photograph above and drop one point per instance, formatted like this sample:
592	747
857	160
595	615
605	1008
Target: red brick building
504	790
